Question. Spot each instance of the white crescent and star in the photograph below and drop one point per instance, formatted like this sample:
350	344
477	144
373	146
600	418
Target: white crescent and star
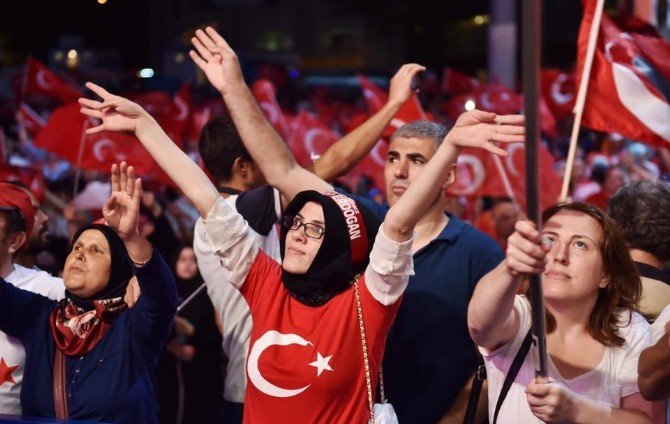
557	94
511	149
182	108
275	338
101	144
477	175
40	78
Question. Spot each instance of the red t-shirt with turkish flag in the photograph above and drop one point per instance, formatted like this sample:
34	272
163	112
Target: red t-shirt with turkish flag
306	363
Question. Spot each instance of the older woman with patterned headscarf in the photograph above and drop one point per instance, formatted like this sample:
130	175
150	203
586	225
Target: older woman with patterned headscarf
88	356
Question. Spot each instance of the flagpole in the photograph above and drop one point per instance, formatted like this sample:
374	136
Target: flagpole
505	179
581	95
531	43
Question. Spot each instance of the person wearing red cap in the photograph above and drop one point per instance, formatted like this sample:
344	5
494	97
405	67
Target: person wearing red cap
17	217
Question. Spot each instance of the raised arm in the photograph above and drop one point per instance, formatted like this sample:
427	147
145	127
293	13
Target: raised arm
157	304
472	129
492	319
348	151
120	114
219	62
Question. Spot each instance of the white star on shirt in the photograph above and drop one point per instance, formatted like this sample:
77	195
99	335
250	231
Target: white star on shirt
321	363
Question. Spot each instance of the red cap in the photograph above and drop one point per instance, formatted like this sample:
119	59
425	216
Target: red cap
13	197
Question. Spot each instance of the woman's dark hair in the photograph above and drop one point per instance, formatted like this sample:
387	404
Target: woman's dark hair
624	287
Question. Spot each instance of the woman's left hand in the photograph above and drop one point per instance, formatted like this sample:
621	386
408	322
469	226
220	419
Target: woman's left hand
552	402
121	211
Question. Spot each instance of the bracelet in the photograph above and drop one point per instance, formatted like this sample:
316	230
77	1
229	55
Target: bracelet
140	264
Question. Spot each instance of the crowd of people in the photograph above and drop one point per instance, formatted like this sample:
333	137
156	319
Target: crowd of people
258	290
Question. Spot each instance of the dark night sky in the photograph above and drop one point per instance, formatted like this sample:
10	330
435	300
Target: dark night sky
34	26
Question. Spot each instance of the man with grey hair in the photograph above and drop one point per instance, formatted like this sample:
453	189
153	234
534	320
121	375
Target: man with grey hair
642	210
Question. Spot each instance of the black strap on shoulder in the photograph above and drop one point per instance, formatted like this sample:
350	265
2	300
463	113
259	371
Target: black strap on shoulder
513	371
475	391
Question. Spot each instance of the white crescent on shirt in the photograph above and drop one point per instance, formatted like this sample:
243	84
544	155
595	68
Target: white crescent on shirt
12	354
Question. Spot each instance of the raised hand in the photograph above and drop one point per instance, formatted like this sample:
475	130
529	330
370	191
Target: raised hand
481	129
216	59
525	251
400	88
121	211
116	113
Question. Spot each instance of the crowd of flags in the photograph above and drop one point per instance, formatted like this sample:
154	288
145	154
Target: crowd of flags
628	93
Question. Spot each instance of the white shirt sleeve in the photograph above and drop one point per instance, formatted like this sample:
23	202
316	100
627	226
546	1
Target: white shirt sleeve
391	265
224	236
219	241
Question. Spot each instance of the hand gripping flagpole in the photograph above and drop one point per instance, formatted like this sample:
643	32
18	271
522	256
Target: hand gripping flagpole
531	42
581	93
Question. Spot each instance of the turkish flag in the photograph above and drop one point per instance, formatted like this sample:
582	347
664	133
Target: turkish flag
373	163
172	113
64	135
310	138
454	82
498	99
39	79
479	175
202	113
265	94
31	177
157	102
30	120
629	85
176	119
558	89
376	98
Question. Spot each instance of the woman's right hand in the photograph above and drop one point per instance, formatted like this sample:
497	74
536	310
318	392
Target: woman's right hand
116	113
525	252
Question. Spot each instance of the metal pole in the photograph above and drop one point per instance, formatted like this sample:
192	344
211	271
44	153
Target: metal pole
531	45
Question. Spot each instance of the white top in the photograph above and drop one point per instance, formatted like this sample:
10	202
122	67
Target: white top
613	378
12	354
229	303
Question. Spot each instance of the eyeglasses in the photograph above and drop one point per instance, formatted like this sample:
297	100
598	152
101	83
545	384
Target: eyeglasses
312	230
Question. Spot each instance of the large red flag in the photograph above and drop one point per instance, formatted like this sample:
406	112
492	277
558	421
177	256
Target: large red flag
310	138
30	120
39	79
172	113
558	89
64	135
265	94
454	82
373	163
376	98
480	175
176	119
31	177
628	87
